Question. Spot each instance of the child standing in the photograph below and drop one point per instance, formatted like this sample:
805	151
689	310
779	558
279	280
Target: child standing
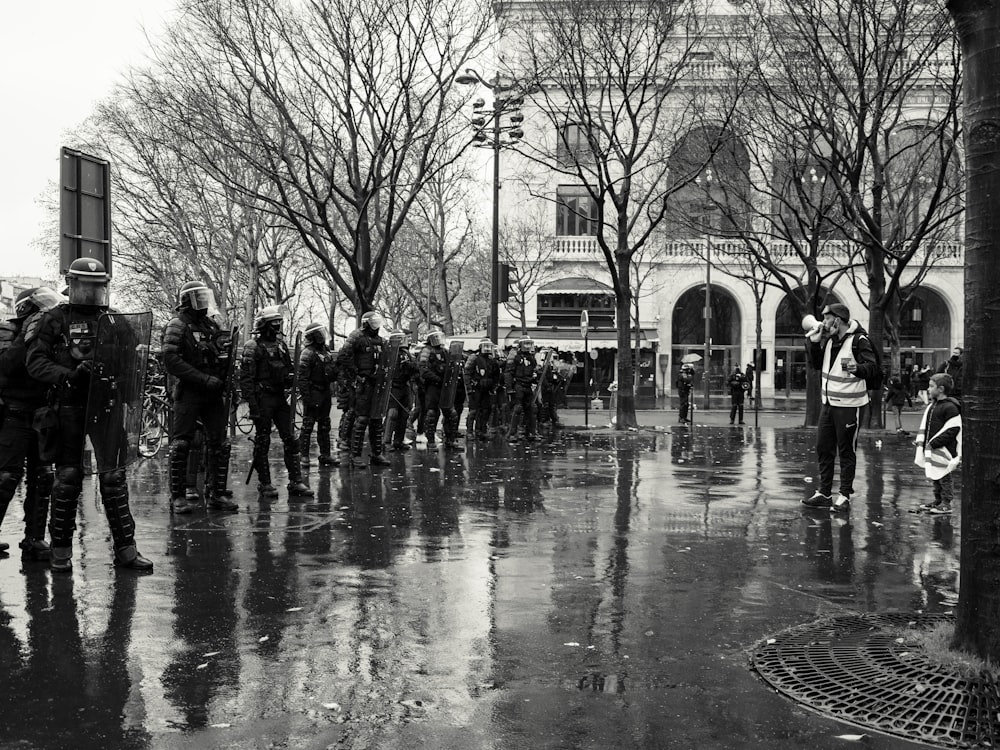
939	441
897	395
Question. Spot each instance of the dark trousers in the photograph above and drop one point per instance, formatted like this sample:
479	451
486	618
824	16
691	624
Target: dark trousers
19	458
837	436
944	490
685	405
736	408
480	410
316	412
274	411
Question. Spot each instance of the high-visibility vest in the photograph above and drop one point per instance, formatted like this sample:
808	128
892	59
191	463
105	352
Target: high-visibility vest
937	462
840	387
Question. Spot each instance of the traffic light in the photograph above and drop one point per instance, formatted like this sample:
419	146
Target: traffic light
503	282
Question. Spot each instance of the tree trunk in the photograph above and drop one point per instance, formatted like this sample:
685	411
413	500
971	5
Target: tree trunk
978	624
626	380
876	331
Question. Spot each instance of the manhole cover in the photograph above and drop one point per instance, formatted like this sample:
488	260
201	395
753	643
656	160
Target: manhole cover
852	668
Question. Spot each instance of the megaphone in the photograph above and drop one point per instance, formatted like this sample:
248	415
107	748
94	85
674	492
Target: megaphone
813	327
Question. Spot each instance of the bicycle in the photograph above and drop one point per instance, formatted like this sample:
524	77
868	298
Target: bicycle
156	412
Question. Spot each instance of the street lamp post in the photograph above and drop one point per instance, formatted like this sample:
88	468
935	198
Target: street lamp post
708	293
492	137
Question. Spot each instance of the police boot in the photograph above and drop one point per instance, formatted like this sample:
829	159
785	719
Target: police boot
375	443
296	487
470	422
181	501
216	476
114	498
358	442
36	511
8	486
430	427
323	440
61	560
129	557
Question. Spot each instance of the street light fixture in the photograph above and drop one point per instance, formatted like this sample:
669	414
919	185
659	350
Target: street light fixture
489	133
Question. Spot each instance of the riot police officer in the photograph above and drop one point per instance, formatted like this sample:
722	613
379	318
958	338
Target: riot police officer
482	378
520	377
196	352
400	398
433	365
359	361
19	450
61	344
316	375
265	376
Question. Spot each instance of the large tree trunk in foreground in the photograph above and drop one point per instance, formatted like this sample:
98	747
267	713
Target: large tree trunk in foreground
978	627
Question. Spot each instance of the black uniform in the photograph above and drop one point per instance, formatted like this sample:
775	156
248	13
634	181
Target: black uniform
61	346
433	365
359	364
265	376
482	379
400	398
196	352
19	456
316	375
519	380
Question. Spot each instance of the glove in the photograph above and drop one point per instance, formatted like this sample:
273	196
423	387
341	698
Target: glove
81	374
213	383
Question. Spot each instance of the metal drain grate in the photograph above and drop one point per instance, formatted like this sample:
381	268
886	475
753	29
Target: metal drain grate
851	669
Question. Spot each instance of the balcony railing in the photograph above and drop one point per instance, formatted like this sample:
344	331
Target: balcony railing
831	252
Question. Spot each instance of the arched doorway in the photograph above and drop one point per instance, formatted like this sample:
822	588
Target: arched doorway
924	329
790	363
688	327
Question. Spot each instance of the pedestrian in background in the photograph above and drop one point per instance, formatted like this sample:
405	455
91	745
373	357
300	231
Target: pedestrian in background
737	391
923	379
896	395
684	385
941	452
953	367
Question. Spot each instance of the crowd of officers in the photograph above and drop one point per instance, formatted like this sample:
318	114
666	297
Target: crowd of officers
47	362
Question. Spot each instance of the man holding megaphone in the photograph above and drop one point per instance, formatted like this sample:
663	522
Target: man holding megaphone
840	349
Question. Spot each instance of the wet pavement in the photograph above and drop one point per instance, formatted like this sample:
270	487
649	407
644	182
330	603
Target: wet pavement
599	590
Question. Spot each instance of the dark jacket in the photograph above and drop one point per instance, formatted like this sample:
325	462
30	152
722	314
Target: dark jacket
938	413
897	393
193	351
953	367
17	388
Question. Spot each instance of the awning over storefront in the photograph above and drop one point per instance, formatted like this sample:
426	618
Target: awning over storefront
570	340
576	285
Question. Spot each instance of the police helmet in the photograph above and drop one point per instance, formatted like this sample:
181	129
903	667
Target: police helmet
435	338
486	346
526	344
195	295
35	299
269	316
88	282
372	320
316	333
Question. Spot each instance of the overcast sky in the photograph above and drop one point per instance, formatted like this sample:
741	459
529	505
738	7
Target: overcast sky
57	58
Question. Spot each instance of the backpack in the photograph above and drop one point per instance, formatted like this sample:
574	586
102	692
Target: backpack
876	381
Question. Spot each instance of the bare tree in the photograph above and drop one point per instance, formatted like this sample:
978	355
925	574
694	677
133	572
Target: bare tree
606	81
853	130
339	107
978	610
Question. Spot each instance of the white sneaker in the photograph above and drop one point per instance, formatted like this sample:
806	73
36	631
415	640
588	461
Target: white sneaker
421	439
841	505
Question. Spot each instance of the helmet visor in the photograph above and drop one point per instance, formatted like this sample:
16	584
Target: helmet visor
487	347
318	333
374	321
90	293
201	298
41	299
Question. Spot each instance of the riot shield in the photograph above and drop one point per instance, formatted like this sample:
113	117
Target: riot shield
228	342
388	360
543	373
294	399
117	385
449	387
